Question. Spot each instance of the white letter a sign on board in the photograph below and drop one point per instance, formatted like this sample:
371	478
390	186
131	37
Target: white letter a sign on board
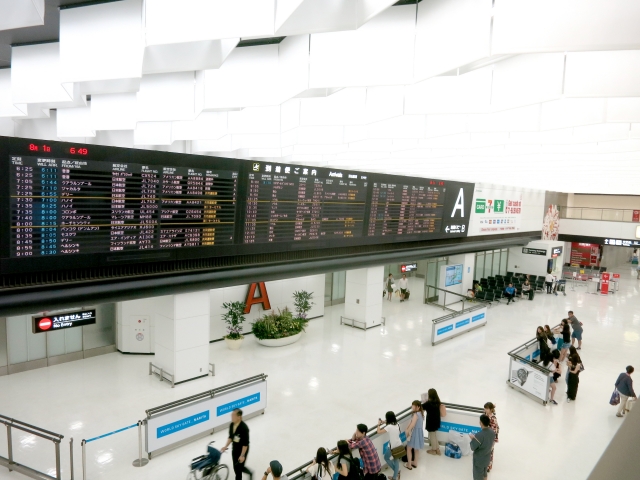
459	204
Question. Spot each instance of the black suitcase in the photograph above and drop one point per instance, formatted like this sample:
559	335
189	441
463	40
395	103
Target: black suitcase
531	294
406	295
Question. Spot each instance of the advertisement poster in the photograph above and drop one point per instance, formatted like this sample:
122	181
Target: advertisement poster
495	211
529	379
453	275
458	324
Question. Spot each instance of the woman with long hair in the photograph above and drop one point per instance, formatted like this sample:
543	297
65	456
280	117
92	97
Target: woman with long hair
490	411
321	468
415	434
574	367
543	342
434	410
393	429
565	330
343	464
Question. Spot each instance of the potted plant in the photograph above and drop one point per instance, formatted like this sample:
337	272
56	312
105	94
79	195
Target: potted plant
284	328
234	318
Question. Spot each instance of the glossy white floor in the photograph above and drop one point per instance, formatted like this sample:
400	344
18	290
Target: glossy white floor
336	377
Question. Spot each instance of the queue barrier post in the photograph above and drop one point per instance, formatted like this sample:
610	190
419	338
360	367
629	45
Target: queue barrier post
140	462
9	447
84	459
71	456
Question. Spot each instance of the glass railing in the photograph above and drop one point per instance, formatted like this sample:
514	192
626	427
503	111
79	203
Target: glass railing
604	214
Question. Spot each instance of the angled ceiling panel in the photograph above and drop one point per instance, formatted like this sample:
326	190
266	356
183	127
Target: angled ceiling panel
102	46
168	21
255	120
572	113
74	122
152	133
378	53
451	33
21	13
166	97
623	110
187	56
526	79
523	26
7	107
603	74
114	111
207	126
36	76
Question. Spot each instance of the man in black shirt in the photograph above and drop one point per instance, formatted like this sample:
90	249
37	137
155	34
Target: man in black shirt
239	436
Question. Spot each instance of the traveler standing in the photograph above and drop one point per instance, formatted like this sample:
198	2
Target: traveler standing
345	459
393	429
368	452
275	469
490	411
577	329
434	410
390	285
551	337
415	435
403	285
565	330
482	444
624	385
239	436
510	292
556	372
574	366
543	343
548	281
321	468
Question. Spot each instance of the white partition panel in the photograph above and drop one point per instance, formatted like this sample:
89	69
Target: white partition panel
187	56
114	111
101	46
378	53
166	97
21	13
8	108
168	21
451	33
75	122
567	25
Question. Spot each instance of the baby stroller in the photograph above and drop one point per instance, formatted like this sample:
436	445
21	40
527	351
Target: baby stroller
206	467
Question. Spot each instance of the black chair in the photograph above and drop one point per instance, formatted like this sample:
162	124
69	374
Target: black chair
489	297
498	294
480	295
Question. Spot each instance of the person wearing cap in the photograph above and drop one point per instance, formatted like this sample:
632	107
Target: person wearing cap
368	452
275	469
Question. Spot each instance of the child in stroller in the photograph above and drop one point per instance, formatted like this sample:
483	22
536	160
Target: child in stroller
206	467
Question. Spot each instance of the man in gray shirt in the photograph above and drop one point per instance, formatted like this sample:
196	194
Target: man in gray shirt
577	329
481	444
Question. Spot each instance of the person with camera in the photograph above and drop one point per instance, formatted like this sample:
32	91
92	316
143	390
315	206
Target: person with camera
396	450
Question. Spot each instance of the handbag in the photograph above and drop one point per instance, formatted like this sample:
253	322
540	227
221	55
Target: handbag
399	451
615	397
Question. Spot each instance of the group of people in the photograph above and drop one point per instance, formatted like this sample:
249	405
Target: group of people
554	351
403	286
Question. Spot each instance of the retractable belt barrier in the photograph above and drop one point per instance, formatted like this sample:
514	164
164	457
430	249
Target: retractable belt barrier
56	438
138	462
526	375
458	417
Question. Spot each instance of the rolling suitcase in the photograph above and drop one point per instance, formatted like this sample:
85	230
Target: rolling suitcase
406	295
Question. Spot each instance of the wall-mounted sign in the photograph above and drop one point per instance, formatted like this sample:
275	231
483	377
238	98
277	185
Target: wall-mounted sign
61	321
636	217
555	251
409	267
617	242
534	251
262	299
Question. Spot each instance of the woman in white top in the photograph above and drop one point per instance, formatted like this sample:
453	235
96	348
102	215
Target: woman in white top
321	468
393	429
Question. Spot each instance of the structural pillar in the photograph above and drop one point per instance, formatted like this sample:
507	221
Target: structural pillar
182	334
363	295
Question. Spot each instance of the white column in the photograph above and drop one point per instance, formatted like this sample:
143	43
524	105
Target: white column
182	334
363	295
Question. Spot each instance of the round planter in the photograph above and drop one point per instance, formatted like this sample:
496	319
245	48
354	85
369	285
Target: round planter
233	344
280	342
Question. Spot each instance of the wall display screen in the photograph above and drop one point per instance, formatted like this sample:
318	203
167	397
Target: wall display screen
453	275
52	323
66	206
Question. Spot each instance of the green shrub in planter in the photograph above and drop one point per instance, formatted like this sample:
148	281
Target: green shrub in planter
278	325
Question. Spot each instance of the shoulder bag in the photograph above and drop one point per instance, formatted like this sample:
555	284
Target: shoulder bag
399	451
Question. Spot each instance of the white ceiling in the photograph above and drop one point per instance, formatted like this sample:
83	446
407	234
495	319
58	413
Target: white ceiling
537	93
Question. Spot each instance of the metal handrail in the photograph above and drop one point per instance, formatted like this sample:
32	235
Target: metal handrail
200	396
299	472
25	427
451	315
463	299
625	214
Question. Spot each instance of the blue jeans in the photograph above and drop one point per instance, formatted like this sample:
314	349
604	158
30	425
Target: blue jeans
394	463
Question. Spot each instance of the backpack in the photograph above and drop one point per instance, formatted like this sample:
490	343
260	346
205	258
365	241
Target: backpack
355	471
452	450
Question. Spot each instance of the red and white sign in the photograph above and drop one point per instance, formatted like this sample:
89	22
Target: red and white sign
636	216
616	276
604	283
45	323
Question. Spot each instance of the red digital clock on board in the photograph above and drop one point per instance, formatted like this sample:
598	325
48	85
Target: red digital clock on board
78	151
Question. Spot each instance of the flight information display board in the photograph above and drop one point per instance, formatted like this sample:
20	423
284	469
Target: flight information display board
69	206
288	203
66	206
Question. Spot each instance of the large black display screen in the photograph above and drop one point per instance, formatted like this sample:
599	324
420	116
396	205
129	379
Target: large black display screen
73	206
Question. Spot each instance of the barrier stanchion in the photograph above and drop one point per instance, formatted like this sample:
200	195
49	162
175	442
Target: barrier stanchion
71	456
140	462
84	460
